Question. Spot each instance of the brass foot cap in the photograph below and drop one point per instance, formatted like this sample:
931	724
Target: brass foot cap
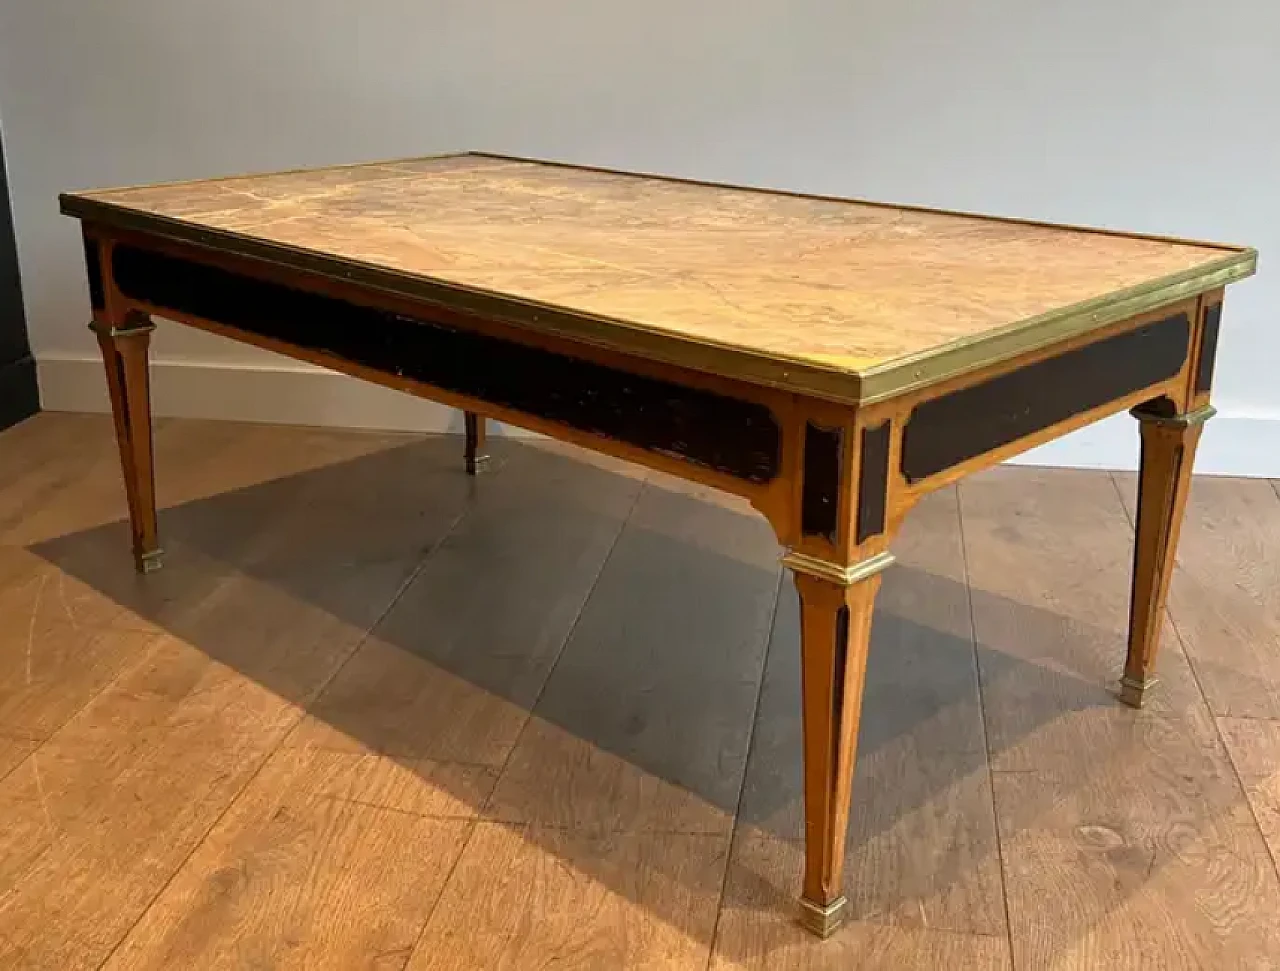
148	562
476	464
1132	690
823	921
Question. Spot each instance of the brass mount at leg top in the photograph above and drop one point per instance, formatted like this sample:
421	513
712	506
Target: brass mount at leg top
137	324
1197	417
845	576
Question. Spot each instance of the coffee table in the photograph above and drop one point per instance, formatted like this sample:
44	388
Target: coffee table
829	360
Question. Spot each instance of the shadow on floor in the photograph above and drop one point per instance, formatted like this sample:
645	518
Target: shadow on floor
317	537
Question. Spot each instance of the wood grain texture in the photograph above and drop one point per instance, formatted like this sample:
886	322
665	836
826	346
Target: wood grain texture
1254	746
633	900
921	785
764	272
1126	839
1225	592
644	722
125	340
758	931
453	669
1164	480
297	874
102	815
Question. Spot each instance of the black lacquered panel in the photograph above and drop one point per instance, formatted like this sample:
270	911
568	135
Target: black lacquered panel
820	491
873	482
1208	347
93	266
964	424
735	437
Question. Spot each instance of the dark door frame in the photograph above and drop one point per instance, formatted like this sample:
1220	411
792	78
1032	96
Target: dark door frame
19	393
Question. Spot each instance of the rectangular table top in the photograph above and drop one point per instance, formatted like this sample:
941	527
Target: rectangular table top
849	300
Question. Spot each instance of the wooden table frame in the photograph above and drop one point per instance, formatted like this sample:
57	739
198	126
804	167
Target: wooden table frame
834	478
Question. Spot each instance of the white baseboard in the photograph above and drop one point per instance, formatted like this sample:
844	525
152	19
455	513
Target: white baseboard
1242	445
294	394
284	394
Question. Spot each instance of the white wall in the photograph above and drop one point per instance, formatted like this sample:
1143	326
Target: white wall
1154	115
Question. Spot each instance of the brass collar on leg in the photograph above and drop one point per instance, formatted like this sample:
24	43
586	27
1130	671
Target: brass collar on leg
148	562
1133	689
823	921
1197	417
844	575
137	324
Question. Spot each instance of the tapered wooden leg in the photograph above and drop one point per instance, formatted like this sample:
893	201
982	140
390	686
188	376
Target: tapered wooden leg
476	454
835	629
124	353
1168	452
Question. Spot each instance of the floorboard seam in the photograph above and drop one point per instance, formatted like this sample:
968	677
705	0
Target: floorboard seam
302	710
466	842
1204	699
986	737
111	682
746	762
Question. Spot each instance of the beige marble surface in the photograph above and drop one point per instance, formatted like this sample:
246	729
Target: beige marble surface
838	285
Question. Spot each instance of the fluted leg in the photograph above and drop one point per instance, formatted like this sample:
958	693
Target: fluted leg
835	635
1168	452
124	354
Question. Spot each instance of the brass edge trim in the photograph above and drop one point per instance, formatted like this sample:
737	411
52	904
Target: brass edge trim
907	374
131	330
1197	417
596	329
178	183
844	575
845	386
877	203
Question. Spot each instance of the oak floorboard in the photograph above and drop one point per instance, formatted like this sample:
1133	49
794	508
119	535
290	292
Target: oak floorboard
101	816
1225	594
758	928
324	861
47	460
13	750
50	670
644	900
1254	746
644	722
605	840
1126	839
922	868
453	669
175	763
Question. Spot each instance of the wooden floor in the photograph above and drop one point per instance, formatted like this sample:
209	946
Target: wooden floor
372	714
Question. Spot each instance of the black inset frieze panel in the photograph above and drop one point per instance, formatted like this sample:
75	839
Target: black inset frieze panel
873	482
1208	347
945	431
734	437
93	265
820	491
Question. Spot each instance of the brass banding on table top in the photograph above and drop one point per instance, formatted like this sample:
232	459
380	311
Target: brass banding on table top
845	300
